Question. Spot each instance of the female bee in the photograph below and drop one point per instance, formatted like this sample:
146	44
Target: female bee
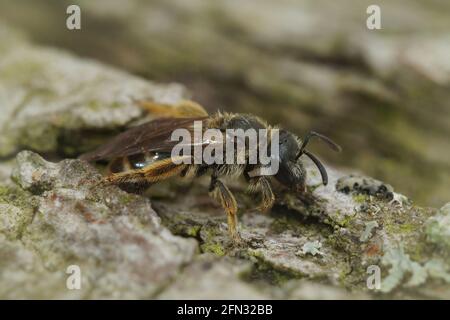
142	155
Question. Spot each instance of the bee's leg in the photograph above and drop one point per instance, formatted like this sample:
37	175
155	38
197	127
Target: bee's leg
181	109
221	193
137	187
157	171
123	165
262	184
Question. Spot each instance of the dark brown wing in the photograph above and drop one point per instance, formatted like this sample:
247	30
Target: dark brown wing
153	136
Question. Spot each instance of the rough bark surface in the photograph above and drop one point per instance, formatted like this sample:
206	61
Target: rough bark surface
309	65
172	242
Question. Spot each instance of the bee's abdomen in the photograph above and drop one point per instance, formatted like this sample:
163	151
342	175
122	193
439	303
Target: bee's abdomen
134	162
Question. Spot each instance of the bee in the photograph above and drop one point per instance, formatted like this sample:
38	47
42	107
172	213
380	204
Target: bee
142	156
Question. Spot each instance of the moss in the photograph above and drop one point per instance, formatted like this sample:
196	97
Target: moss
17	209
360	198
396	228
211	240
94	105
339	219
264	271
126	198
115	105
215	248
279	225
407	227
193	231
346	221
16	197
179	224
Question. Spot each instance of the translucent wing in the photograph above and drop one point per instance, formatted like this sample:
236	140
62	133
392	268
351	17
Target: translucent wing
153	136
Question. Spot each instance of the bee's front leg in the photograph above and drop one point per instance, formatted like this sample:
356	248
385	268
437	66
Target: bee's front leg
219	191
262	184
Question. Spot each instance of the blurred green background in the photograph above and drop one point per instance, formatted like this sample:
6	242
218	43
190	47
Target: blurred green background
307	65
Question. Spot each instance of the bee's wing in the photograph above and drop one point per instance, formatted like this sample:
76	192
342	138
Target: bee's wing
153	136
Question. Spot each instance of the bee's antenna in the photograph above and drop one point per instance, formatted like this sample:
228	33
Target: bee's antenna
323	171
333	145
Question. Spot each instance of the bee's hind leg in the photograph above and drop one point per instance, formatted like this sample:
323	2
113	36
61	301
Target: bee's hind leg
157	171
181	109
262	184
219	191
138	187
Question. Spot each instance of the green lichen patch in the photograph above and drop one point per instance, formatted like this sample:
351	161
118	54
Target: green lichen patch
360	198
265	272
215	248
17	210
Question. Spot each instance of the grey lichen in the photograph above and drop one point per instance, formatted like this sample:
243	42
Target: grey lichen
368	230
77	221
56	213
312	248
402	265
438	227
120	244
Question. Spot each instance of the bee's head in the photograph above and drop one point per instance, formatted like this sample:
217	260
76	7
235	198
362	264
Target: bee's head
292	173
